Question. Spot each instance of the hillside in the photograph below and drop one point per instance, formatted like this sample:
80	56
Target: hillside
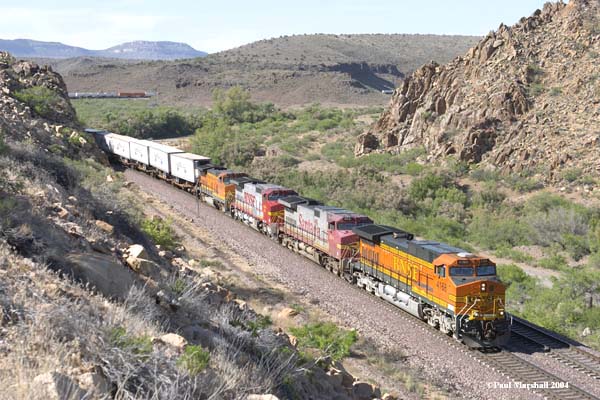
138	50
331	69
109	301
524	100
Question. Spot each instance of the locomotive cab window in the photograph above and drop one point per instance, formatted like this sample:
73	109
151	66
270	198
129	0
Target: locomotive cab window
486	270
440	270
461	271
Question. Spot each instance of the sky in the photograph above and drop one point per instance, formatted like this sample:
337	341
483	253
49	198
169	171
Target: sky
223	24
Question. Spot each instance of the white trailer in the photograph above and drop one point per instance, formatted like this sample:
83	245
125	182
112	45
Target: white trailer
186	166
140	151
159	156
118	145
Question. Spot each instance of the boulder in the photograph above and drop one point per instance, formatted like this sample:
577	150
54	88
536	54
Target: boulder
172	339
56	386
287	312
137	251
95	383
100	271
144	267
364	390
105	226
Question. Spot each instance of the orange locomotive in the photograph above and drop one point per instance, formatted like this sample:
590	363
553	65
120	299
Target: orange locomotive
217	187
453	290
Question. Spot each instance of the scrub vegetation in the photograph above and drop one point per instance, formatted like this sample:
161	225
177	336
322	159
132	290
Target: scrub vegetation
310	149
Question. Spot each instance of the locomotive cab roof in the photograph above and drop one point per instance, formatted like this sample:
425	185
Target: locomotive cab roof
292	202
242	180
374	233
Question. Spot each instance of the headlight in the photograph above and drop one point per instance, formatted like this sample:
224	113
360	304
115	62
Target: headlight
501	312
483	287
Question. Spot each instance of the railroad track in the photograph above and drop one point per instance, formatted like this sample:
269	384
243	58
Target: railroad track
540	381
505	362
522	373
528	335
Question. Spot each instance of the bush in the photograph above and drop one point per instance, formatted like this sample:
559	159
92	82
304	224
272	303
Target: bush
261	322
160	231
327	338
194	359
515	255
554	262
40	99
571	174
494	231
136	344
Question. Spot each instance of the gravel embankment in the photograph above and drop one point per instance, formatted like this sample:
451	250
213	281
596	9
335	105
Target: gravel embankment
449	367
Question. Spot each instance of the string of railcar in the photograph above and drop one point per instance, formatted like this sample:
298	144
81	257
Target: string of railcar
451	289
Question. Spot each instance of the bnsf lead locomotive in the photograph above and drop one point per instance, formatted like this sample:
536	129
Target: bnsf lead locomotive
449	288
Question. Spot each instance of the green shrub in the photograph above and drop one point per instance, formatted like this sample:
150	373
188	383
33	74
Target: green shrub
261	322
489	197
523	184
554	262
327	338
555	91
571	174
494	231
43	101
178	286
160	231
140	345
194	359
513	254
211	263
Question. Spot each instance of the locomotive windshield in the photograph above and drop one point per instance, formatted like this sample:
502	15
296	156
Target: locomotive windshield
345	226
484	270
349	225
277	196
461	271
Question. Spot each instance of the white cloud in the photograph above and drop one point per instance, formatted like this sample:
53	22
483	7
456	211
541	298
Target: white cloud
82	27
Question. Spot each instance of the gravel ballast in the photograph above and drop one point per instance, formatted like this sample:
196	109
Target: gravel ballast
451	367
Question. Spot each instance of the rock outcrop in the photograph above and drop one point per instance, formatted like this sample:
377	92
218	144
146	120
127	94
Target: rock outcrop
525	99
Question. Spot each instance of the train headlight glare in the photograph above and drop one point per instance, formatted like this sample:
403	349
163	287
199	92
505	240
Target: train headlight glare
483	287
501	312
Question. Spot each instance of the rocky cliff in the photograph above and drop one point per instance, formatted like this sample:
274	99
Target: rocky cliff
525	99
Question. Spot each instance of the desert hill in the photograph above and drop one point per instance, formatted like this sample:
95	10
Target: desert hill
525	99
331	69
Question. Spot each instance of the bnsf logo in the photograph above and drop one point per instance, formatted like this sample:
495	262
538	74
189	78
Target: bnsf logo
249	199
308	226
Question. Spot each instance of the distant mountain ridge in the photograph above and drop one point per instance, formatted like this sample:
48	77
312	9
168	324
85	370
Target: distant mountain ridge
137	50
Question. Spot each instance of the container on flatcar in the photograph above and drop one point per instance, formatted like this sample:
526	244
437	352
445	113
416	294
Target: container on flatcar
186	166
159	156
140	151
118	145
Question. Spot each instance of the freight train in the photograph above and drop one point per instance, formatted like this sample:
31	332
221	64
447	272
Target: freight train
451	289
